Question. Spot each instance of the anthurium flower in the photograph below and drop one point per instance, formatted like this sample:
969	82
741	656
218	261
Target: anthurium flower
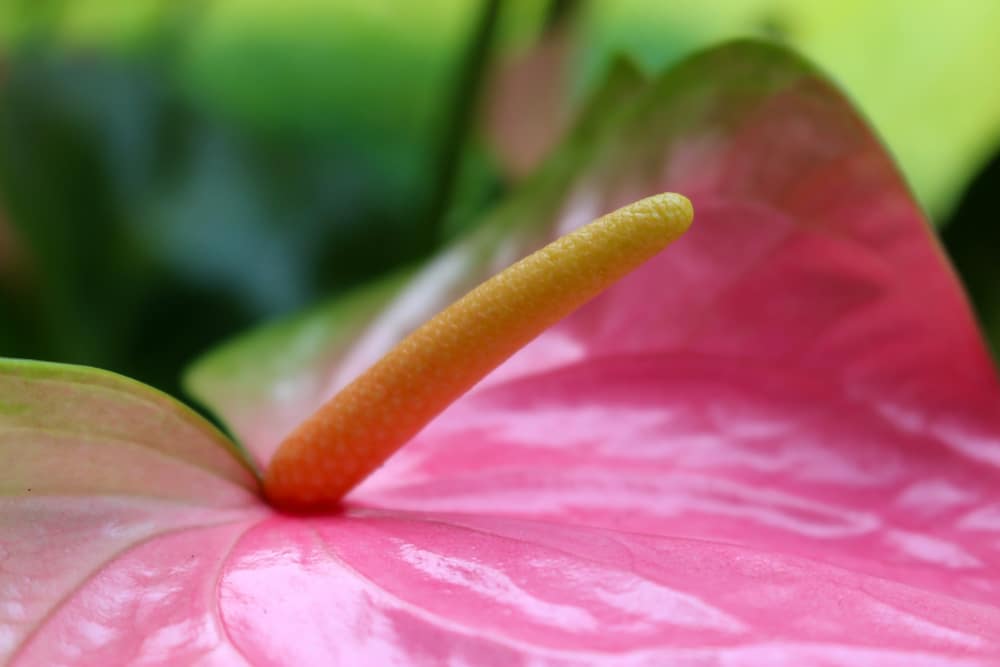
776	443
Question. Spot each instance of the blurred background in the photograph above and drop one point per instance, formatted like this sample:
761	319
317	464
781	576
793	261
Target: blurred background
175	171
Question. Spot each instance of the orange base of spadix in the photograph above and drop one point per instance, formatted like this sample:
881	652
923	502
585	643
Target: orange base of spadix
359	428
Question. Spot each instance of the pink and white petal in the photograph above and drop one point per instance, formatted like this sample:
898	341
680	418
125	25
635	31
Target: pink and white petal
391	588
123	438
773	459
800	374
776	444
95	465
147	594
807	247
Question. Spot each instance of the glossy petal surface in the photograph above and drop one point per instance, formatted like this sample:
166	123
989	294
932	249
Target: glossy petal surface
96	465
776	444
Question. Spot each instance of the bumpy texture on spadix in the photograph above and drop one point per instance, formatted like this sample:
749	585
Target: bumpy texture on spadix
360	427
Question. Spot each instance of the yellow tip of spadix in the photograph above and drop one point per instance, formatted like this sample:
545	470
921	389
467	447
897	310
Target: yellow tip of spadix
359	428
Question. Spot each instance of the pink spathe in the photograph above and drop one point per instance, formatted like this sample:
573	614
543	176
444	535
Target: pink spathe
778	443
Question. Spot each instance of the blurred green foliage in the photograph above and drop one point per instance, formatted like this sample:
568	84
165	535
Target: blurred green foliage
177	173
172	171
